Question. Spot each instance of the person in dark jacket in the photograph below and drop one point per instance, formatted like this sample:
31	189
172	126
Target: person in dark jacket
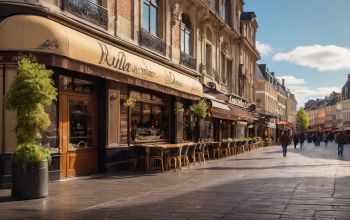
285	141
295	140
341	139
301	139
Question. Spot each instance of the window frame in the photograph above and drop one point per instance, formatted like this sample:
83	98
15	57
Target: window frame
151	4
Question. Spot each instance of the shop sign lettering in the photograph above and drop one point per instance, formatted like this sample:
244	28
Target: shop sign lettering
118	62
238	102
170	79
143	71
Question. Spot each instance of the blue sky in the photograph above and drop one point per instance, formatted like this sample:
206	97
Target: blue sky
307	42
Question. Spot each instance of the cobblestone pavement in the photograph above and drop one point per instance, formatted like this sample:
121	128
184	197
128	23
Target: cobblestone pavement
310	183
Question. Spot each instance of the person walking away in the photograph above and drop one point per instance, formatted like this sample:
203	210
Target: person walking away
325	139
295	140
285	141
314	139
301	139
340	140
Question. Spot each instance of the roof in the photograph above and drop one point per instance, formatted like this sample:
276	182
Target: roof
258	74
248	16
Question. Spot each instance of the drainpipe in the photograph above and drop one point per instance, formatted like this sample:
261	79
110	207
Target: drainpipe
115	17
3	112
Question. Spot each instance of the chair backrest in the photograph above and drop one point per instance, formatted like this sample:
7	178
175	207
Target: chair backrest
192	148
175	151
225	144
141	151
184	150
156	152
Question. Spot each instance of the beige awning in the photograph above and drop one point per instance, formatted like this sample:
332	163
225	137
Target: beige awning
28	33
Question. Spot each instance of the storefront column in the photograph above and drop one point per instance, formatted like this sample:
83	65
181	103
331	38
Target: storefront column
179	122
2	74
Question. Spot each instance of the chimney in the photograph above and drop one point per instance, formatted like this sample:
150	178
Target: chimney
283	82
348	76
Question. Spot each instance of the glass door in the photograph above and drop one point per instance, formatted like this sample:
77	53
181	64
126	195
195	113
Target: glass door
78	135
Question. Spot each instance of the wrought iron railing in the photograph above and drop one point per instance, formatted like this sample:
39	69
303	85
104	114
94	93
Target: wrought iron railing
151	41
88	10
188	60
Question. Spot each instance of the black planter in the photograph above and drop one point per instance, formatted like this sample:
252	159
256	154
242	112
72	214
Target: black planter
30	181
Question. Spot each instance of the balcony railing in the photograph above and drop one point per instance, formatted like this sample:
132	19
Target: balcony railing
188	61
87	10
151	41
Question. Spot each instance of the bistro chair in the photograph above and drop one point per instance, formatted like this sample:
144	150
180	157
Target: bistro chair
233	147
174	154
206	151
184	155
142	155
192	154
200	152
215	149
156	154
240	147
225	149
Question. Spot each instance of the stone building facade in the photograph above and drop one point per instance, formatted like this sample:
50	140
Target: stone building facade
161	53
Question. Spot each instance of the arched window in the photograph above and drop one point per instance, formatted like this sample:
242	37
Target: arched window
185	34
150	16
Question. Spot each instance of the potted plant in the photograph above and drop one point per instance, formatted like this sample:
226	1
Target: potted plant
179	107
129	102
30	92
200	109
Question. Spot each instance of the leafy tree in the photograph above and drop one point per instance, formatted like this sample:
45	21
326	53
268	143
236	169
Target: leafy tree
31	91
303	119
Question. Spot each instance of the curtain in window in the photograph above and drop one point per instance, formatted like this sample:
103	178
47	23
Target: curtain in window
185	34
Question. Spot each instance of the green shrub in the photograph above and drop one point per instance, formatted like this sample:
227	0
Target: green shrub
29	94
200	109
31	153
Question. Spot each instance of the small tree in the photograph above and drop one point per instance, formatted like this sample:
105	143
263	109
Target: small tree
303	119
29	94
200	109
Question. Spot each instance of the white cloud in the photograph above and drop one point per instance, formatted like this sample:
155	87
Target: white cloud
291	80
323	58
303	92
263	49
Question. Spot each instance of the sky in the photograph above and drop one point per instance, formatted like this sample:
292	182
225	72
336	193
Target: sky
306	42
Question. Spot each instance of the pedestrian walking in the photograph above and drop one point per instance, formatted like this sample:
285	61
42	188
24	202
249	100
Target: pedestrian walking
325	139
295	140
285	141
340	140
301	139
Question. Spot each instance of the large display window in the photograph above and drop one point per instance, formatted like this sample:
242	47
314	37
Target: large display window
149	117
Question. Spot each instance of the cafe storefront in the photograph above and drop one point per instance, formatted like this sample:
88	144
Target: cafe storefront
91	121
230	117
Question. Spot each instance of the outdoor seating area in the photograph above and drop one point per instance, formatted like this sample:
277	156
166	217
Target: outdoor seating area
167	157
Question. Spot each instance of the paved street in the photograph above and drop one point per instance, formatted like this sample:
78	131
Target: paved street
311	183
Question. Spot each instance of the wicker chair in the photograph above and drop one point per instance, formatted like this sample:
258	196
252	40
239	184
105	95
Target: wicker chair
174	155
192	154
156	154
142	155
184	155
200	153
225	149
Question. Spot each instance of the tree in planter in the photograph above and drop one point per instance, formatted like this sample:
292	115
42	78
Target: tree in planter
29	94
200	111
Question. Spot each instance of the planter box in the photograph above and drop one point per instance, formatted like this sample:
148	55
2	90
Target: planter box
30	181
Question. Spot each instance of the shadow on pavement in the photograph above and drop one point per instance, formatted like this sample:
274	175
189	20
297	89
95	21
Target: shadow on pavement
268	198
265	168
258	158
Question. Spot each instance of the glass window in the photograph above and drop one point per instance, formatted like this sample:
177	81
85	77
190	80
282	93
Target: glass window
67	83
185	34
81	124
150	16
149	119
